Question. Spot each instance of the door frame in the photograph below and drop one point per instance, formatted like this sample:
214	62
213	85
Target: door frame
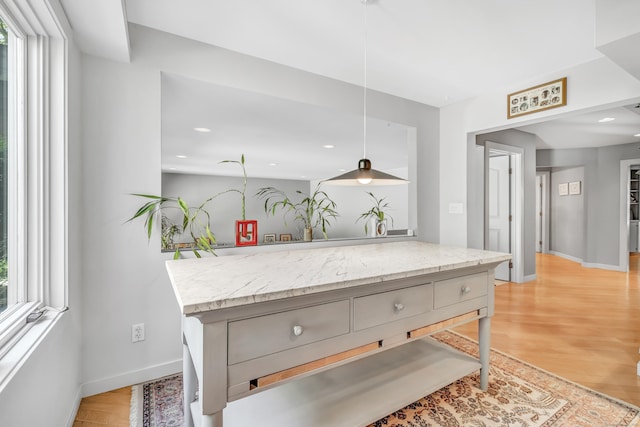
623	257
545	178
517	204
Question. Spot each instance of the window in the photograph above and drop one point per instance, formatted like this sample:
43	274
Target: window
4	282
33	170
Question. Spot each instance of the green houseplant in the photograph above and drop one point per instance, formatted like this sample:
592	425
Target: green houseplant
313	210
195	220
376	217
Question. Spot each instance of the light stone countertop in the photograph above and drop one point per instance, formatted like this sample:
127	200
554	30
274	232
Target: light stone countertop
204	284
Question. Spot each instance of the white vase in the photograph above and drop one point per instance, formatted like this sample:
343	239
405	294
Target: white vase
372	227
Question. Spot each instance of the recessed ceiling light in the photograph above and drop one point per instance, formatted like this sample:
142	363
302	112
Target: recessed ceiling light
637	134
273	164
181	156
203	130
328	146
341	170
606	119
172	169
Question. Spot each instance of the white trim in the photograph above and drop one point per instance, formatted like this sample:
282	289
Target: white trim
545	178
623	243
74	408
517	204
40	192
132	377
530	277
602	266
17	355
565	256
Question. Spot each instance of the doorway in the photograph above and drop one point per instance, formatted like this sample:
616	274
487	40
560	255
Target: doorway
542	211
625	212
504	207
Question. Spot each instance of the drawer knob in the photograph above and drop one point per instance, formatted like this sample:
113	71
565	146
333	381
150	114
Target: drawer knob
398	306
466	290
297	330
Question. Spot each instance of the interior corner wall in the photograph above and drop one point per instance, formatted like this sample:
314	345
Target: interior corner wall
567	212
527	142
124	277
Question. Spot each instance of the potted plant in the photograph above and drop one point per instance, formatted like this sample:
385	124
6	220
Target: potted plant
313	210
376	218
195	220
246	230
169	230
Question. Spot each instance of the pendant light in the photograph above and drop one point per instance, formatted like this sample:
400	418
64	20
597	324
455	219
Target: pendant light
365	175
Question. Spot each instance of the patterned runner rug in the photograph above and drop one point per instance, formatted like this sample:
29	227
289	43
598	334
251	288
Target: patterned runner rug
519	394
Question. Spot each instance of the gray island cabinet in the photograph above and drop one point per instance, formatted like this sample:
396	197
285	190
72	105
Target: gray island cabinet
329	336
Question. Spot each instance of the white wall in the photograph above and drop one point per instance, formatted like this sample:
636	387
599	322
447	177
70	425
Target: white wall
124	279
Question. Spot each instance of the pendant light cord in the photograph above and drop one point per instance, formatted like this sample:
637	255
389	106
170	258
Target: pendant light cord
364	144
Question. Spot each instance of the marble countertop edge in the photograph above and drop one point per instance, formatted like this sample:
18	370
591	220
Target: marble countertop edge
200	305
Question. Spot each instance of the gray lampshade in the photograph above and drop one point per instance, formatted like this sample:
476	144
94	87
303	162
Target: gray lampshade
364	175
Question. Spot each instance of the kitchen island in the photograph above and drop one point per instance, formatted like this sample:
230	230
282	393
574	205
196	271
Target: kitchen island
330	336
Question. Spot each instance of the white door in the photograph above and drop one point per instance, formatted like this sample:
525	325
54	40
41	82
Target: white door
538	213
499	211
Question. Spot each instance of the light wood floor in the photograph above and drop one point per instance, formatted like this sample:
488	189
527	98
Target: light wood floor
582	324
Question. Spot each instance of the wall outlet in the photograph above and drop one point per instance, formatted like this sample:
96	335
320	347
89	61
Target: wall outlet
137	332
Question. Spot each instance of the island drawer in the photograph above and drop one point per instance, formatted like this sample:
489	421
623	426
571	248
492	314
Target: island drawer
460	289
262	335
377	309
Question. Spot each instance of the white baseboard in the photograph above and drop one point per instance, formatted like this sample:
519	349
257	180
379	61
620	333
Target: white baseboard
587	264
76	406
602	266
529	278
565	256
132	377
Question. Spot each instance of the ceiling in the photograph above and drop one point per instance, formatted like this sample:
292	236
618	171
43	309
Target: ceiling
437	52
272	132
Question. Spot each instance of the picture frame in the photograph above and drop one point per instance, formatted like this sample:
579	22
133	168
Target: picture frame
575	187
285	237
269	238
537	98
563	189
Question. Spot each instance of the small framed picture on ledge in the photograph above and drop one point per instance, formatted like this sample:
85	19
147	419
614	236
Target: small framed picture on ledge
285	237
269	238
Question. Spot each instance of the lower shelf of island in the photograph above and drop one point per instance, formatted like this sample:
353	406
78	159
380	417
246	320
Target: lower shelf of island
354	394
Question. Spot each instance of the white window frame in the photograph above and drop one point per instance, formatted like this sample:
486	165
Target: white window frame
38	161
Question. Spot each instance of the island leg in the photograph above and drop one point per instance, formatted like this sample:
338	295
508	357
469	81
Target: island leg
484	340
190	383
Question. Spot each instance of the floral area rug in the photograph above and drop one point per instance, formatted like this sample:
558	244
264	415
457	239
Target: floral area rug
519	394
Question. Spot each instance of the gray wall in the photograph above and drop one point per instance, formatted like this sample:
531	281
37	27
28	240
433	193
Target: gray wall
475	183
601	189
567	235
226	208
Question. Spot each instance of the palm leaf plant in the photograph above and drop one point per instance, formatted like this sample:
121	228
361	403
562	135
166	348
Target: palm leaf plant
312	210
196	220
377	211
